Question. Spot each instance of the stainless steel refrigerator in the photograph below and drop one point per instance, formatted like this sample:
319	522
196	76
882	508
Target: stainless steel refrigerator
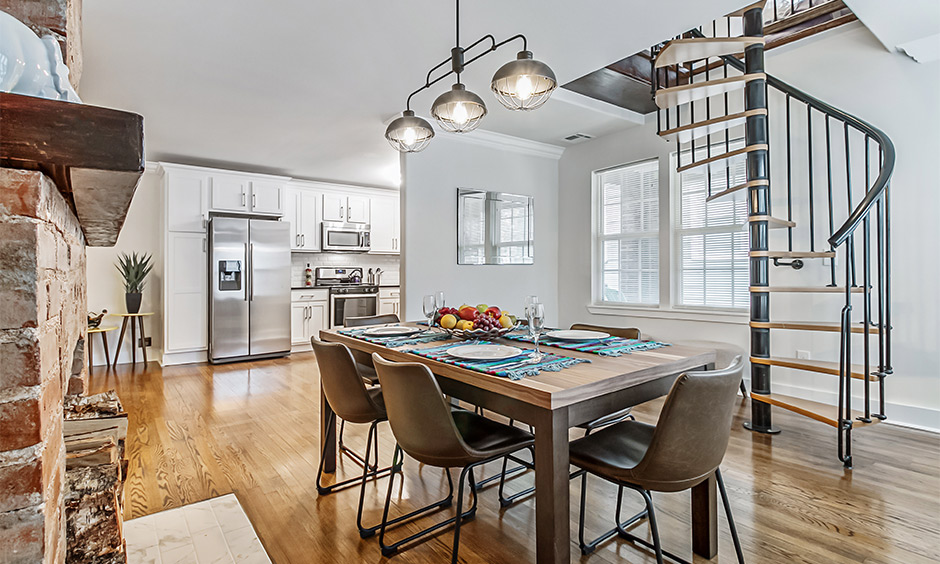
249	275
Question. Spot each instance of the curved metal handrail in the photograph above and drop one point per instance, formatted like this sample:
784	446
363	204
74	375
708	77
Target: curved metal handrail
887	146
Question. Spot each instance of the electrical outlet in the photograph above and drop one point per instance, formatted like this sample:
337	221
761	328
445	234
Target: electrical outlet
802	355
144	342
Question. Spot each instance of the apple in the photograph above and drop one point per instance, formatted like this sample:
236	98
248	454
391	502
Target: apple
468	313
482	308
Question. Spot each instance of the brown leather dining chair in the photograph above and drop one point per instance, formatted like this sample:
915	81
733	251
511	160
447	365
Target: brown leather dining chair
350	400
364	365
682	450
428	430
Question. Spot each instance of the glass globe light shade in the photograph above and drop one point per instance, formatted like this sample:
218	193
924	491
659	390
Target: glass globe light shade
409	133
458	110
523	84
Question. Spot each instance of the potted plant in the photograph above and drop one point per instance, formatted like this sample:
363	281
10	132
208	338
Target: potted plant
134	269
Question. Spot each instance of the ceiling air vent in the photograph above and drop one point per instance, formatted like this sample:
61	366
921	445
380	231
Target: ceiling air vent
578	137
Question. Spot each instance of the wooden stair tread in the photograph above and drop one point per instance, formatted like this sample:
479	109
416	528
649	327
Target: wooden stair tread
723	156
822	412
793	254
814	326
695	130
773	222
734	189
677	95
695	49
742	11
820	366
806	289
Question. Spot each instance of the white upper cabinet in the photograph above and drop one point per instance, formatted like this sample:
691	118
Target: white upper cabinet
267	197
351	209
229	192
334	207
357	209
300	209
187	206
386	228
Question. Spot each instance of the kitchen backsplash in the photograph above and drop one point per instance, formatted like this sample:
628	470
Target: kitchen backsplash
388	263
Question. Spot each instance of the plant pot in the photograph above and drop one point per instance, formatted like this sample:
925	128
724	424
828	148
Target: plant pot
132	301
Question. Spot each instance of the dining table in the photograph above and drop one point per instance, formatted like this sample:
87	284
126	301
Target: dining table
552	403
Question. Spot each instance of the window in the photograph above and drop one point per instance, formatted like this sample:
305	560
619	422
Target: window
710	237
627	245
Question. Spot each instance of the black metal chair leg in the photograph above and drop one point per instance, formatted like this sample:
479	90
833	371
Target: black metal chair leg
654	530
459	518
343	449
371	472
744	390
727	505
619	528
365	475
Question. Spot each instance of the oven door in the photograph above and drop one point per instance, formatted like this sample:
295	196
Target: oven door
352	305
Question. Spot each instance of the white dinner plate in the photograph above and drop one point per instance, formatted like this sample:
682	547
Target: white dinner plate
577	335
392	331
484	352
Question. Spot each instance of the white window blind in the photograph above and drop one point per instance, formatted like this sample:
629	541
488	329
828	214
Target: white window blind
627	268
711	239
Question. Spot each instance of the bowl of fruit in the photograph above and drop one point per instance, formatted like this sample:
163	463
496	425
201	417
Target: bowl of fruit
480	322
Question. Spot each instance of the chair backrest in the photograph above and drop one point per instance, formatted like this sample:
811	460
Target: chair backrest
692	433
419	417
342	384
371	320
622	332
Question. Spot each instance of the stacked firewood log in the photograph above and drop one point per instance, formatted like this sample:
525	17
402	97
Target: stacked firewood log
95	430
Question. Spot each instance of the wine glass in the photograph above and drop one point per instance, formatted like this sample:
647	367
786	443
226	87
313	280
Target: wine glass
535	314
439	297
430	309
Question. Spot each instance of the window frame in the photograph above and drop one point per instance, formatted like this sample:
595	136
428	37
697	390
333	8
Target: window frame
598	238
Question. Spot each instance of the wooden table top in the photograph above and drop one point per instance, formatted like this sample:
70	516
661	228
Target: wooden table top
553	390
100	329
141	314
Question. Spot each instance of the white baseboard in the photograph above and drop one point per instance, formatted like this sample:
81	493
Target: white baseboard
188	357
903	415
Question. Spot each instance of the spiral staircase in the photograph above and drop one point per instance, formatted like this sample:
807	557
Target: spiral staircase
831	170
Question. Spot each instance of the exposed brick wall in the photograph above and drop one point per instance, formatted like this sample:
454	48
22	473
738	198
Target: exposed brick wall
42	331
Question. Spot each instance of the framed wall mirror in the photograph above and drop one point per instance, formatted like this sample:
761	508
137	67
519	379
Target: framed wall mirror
494	227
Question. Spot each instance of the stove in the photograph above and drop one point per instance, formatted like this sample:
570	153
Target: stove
349	297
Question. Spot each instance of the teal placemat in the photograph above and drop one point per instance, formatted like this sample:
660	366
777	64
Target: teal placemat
515	368
609	346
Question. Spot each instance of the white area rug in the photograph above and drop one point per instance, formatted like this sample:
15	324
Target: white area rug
215	531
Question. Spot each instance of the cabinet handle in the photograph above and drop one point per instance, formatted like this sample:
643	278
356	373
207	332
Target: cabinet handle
204	245
297	240
243	197
254	200
303	240
341	212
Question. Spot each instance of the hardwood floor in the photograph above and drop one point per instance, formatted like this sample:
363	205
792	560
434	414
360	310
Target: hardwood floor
202	431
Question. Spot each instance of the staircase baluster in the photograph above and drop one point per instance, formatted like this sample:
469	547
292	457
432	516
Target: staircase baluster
866	305
847	366
789	183
832	263
887	328
848	190
809	153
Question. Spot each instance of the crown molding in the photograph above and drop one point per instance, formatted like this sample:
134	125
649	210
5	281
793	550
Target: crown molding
505	142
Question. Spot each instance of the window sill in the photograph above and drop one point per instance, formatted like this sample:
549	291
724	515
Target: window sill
674	314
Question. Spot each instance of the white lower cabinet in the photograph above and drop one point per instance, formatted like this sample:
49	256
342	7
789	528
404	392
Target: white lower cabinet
186	323
309	313
390	301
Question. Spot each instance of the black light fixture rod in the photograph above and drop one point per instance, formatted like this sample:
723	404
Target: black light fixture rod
463	64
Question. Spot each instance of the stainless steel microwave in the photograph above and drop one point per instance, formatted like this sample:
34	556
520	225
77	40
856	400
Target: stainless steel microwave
348	237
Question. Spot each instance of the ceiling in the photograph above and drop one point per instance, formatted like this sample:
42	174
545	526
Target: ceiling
306	88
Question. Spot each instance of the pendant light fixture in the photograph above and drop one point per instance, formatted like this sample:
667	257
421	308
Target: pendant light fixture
523	84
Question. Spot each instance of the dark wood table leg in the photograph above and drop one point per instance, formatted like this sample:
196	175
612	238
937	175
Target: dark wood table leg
552	529
133	343
705	518
327	434
107	353
143	340
117	352
91	350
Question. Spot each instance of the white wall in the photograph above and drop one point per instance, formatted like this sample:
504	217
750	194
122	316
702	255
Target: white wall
429	225
848	68
142	233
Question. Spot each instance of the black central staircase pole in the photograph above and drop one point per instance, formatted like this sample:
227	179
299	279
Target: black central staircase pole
758	168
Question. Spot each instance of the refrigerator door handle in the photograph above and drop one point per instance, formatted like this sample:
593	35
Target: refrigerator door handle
251	266
247	272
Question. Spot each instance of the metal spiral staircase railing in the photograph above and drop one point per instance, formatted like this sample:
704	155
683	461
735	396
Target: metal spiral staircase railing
703	74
